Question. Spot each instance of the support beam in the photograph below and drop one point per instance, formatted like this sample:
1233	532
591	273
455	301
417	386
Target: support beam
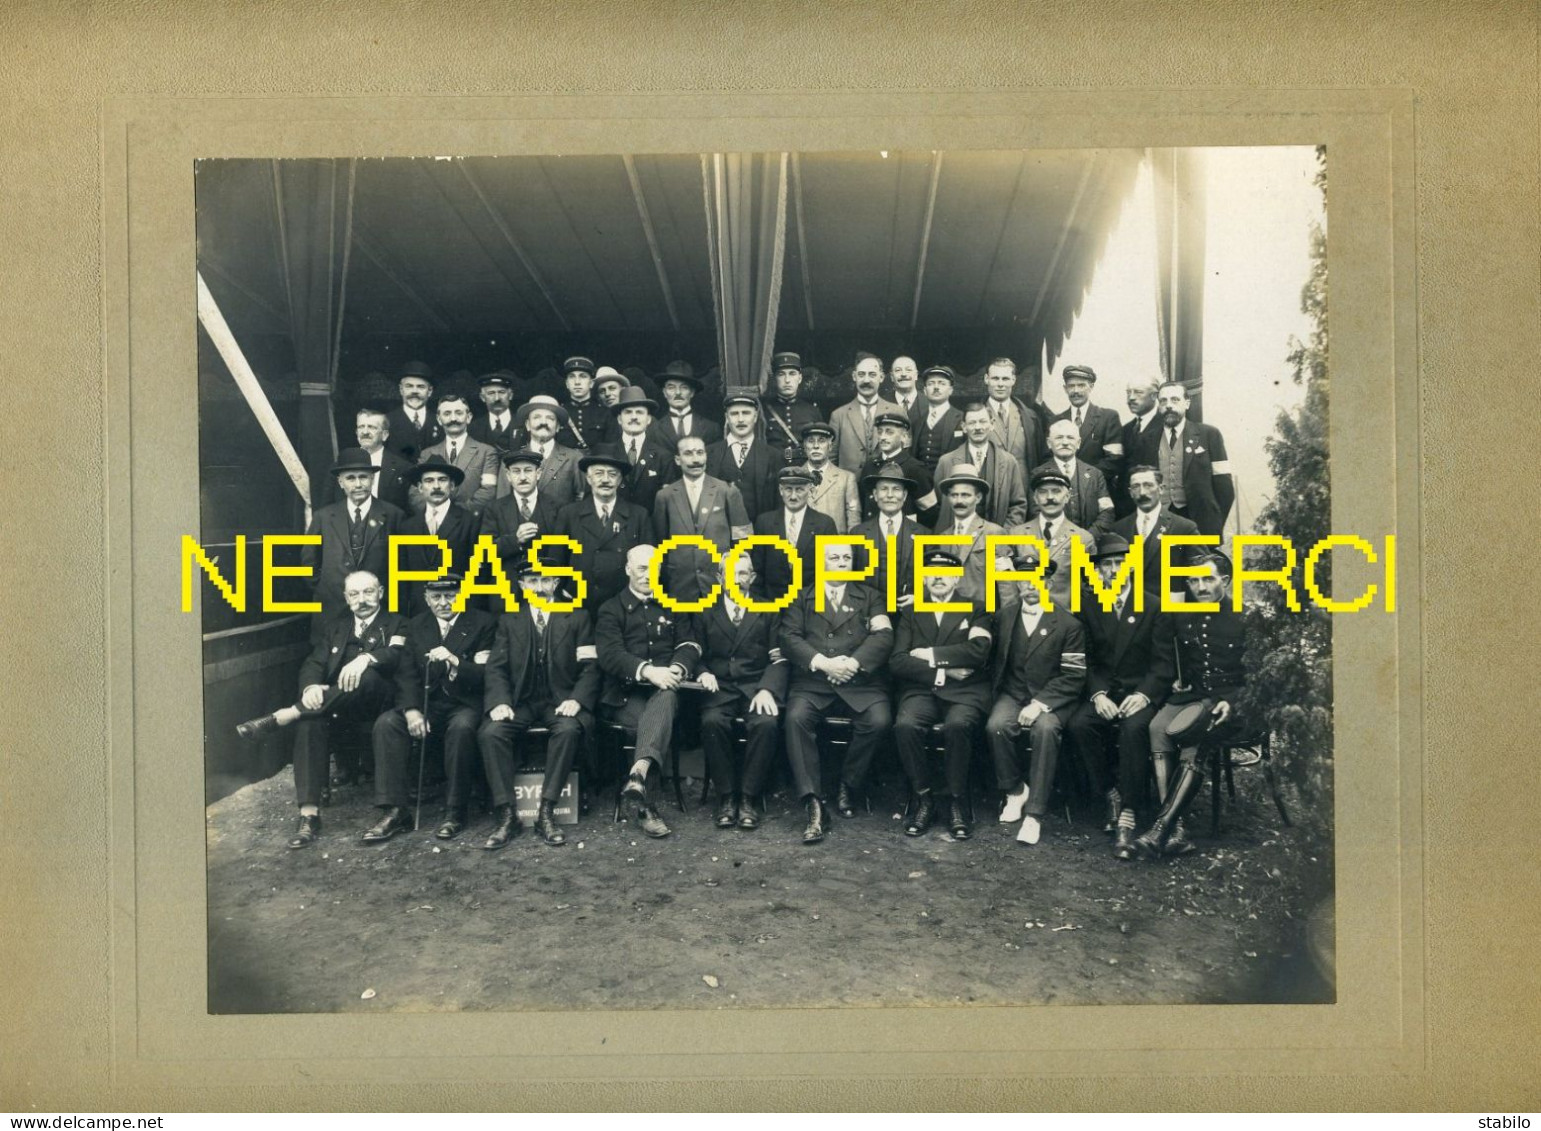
925	234
514	245
376	255
205	263
652	239
802	240
224	341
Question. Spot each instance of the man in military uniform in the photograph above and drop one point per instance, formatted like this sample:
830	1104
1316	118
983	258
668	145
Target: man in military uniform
937	425
742	458
645	651
438	691
891	441
355	534
1090	503
786	413
434	481
604	525
497	428
1099	434
649	464
1039	670
680	387
543	672
588	420
1129	673
413	426
1210	647
941	673
837	655
834	492
347	676
745	677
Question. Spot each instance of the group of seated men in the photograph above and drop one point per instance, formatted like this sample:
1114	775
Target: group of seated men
481	677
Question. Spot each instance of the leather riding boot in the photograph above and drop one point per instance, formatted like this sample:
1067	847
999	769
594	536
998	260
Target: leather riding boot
1154	839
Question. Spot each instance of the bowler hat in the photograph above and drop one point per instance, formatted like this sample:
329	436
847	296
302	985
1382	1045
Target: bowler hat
633	397
680	371
605	455
540	400
435	463
353	459
417	369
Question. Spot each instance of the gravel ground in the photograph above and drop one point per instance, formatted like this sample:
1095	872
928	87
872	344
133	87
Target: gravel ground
725	919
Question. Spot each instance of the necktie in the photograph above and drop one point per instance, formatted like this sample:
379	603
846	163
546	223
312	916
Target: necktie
739	452
634	453
359	628
681	423
1048	533
1123	599
604	516
358	515
454	450
832	596
737	615
417	418
524	507
356	531
890	528
1078	417
1171	438
433	521
444	627
540	620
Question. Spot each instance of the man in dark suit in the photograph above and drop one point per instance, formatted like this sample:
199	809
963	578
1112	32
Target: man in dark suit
941	674
438	691
680	386
645	651
1129	673
539	420
1210	647
604	525
517	519
936	424
837	639
1038	673
650	464
348	677
414	428
786	414
1090	505
1142	438
700	504
796	522
1015	424
1195	471
1151	522
890	489
1100	436
434	481
497	428
891	439
543	672
904	388
355	534
742	458
372	430
589	421
745	677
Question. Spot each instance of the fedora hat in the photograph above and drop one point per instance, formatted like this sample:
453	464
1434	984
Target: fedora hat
889	473
435	463
965	473
633	397
605	455
680	371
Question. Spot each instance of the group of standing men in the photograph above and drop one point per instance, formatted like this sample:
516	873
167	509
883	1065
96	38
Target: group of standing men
617	473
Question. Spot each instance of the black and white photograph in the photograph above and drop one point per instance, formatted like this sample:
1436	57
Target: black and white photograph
418	376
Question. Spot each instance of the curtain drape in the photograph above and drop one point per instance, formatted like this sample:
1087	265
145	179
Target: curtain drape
746	220
1178	183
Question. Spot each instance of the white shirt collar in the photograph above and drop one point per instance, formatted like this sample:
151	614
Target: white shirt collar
1143	420
1031	614
363	507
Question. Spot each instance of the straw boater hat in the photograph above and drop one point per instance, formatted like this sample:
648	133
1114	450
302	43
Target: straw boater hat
608	374
540	400
965	473
435	463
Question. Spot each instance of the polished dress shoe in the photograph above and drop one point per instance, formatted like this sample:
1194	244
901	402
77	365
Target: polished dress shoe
1011	808
1123	843
748	814
545	825
635	788
256	728
815	830
921	808
957	821
454	821
651	823
843	804
308	831
505	830
727	815
395	821
1115	803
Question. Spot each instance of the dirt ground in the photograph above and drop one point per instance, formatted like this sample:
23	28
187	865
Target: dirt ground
723	919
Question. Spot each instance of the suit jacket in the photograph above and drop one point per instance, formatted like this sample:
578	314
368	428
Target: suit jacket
1006	504
1059	551
903	558
500	438
483	468
460	528
755	480
665	433
854	443
923	504
408	440
603	557
632	632
771	565
783	422
961	640
1166	523
859	628
334	559
470	636
390	483
722	520
1129	652
836	495
746	658
1141	446
1100	430
975	557
1024	435
559	476
654	467
1206	476
931	444
502	521
1091	503
383	641
1052	660
572	669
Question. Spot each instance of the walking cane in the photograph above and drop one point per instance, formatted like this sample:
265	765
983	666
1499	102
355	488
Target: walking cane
422	747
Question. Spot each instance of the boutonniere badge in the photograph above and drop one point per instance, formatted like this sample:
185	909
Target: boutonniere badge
615	527
373	522
1196	450
964	625
1043	632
